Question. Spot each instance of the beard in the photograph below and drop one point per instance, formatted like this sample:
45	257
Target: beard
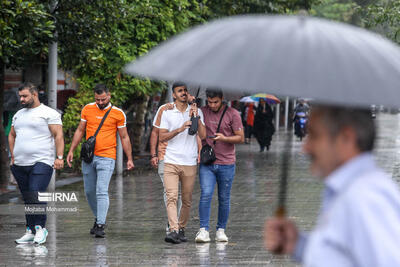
27	104
102	106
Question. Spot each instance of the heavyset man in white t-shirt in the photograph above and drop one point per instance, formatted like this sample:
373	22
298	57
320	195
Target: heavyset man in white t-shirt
36	129
180	161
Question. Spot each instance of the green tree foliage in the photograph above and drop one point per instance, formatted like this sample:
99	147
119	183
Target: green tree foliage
25	30
221	8
345	11
384	17
121	32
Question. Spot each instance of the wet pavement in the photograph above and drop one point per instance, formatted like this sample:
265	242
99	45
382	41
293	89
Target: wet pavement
137	217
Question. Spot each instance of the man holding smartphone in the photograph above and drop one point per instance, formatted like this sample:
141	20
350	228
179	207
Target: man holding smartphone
222	170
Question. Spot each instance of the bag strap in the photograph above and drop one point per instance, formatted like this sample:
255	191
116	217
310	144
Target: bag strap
102	121
220	120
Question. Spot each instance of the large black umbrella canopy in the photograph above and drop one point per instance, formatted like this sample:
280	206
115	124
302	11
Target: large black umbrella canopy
285	55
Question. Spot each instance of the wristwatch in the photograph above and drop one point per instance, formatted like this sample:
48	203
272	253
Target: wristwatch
60	157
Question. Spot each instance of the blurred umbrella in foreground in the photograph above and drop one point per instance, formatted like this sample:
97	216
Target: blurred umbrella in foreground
293	56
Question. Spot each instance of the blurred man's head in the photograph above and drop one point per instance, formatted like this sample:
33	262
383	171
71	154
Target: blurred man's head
214	99
28	95
336	135
180	92
102	96
262	101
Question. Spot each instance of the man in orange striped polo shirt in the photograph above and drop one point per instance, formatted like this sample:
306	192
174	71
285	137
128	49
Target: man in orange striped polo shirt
97	174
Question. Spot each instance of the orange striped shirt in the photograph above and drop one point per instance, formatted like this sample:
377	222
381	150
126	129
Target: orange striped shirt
106	140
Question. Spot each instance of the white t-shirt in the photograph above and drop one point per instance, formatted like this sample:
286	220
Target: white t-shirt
182	149
34	141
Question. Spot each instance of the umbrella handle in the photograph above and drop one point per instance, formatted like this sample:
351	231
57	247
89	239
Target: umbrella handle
280	212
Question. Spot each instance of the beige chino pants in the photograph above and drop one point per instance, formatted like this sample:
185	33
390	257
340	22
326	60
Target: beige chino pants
173	174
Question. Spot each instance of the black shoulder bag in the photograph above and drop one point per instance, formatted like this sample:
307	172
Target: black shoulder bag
87	148
207	154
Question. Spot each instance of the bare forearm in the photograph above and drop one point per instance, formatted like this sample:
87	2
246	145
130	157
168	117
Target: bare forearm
11	142
59	140
166	136
202	131
153	142
127	147
235	139
76	139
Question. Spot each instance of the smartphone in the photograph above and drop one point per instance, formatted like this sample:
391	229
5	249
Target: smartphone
211	136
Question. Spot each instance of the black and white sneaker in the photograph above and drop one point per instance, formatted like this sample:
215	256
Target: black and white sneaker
99	231
181	235
173	237
93	229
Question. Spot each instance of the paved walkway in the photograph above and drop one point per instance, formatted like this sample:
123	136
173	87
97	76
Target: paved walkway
136	219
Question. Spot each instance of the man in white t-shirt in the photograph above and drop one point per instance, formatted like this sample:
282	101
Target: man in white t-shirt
180	160
36	130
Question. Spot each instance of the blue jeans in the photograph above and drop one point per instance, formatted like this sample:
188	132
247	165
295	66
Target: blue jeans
210	175
31	180
96	178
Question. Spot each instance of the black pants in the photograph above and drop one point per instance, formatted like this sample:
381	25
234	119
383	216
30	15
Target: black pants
31	180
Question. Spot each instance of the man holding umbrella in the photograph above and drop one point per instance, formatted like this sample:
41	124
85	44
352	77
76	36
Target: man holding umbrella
359	221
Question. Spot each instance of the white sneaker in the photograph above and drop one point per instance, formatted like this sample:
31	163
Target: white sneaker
41	235
202	236
220	236
27	238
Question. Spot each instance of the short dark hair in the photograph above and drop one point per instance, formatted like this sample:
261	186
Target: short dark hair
214	92
360	119
101	88
30	86
178	84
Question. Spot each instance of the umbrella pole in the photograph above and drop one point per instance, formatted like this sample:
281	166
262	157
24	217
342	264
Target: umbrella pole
281	208
280	211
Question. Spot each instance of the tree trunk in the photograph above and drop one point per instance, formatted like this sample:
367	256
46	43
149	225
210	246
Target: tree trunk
4	167
138	125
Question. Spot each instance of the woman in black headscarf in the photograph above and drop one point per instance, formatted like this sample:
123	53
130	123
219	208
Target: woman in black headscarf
263	126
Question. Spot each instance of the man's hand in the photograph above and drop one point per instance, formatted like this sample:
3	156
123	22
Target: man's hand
185	126
12	161
193	110
130	165
154	162
58	164
280	235
70	158
169	106
219	137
